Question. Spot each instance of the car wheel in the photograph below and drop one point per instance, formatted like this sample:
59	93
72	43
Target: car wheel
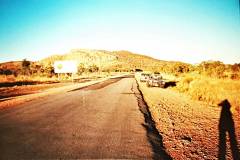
148	85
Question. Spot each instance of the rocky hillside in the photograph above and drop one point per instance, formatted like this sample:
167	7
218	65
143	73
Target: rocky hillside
86	57
10	67
104	60
107	60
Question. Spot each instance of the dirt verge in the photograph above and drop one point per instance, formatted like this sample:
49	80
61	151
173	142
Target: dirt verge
153	135
191	129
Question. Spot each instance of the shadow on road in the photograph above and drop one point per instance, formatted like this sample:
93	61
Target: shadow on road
226	125
153	136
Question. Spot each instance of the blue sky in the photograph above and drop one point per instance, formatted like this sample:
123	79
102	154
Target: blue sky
182	30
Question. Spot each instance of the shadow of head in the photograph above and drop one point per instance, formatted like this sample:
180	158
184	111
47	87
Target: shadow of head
226	120
225	104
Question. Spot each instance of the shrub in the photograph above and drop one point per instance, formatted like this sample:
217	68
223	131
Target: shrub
48	70
81	68
7	72
93	68
210	90
25	67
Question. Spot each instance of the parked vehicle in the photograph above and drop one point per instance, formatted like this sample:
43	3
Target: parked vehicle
155	81
144	77
157	75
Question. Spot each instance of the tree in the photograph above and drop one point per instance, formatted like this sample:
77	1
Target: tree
1	71
212	68
179	68
35	68
93	68
81	68
17	72
235	67
218	69
25	66
49	70
8	72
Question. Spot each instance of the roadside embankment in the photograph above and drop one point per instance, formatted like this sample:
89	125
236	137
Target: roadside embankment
190	129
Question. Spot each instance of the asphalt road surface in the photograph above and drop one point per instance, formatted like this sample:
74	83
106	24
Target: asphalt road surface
106	120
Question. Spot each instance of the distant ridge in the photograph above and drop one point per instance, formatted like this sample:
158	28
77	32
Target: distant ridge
114	60
106	61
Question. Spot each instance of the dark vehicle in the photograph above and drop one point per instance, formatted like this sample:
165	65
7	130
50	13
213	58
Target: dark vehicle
155	81
144	77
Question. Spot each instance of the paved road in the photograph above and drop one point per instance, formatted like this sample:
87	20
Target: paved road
99	121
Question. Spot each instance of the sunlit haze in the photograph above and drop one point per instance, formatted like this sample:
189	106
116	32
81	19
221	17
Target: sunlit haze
181	30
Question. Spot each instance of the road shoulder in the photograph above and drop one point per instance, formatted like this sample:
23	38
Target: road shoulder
189	128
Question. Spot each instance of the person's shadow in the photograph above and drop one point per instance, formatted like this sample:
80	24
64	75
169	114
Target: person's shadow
226	125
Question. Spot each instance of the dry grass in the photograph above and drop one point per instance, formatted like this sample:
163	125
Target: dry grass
189	128
210	90
20	78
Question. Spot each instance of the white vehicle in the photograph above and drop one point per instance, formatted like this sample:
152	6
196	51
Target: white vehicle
144	77
155	81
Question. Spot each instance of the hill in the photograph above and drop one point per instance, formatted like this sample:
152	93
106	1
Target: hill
104	60
107	60
10	67
83	56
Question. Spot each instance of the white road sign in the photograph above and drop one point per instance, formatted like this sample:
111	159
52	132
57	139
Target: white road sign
65	66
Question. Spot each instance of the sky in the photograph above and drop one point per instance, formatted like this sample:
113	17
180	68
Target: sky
181	30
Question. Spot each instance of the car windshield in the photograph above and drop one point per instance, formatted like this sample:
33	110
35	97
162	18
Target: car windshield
156	78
